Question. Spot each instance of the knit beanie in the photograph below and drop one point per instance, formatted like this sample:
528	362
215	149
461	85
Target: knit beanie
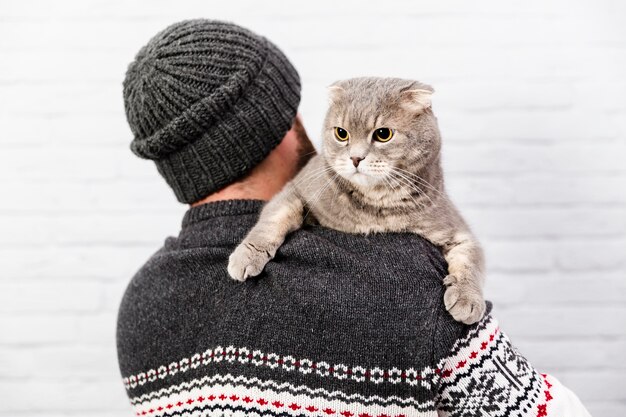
207	101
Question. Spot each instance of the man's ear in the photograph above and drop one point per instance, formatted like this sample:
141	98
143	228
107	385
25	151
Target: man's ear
416	100
335	94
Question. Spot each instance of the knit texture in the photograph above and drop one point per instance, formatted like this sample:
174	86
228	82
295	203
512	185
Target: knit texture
337	326
358	315
207	101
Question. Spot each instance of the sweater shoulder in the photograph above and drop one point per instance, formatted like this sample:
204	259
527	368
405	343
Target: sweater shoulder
451	336
350	301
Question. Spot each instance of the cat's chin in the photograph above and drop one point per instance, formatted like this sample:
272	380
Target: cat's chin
362	180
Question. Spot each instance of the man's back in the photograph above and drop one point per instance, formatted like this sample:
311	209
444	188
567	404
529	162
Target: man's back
357	316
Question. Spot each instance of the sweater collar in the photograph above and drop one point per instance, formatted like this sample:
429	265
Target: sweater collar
220	209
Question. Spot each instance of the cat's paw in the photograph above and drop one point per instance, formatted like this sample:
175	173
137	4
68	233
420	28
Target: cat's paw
463	302
247	261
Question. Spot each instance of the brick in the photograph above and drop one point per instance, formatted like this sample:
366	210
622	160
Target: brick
46	396
73	263
563	321
547	222
516	289
534	124
120	228
59	296
63	65
85	196
524	158
64	128
570	189
545	189
60	362
22	330
72	163
98	329
592	255
571	354
519	256
470	100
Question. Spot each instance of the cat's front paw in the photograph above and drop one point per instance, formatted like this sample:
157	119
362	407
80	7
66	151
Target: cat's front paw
247	261
464	303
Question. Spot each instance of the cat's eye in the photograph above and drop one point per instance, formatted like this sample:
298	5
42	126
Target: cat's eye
384	134
341	134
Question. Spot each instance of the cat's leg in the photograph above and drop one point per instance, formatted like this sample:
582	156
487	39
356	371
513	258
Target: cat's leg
282	214
463	297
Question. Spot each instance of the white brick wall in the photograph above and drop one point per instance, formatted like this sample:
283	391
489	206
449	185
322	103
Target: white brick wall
531	102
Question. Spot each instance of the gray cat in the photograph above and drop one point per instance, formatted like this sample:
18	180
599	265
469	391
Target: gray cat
380	171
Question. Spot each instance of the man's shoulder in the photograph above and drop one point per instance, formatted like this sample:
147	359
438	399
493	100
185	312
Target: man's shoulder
315	258
323	291
394	256
206	246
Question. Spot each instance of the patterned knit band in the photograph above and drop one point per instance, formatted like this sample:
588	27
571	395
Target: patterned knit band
208	101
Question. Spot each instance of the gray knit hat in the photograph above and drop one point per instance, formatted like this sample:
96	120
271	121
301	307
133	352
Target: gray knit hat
207	101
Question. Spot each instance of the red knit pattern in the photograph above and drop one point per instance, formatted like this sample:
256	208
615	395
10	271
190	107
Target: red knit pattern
261	401
542	409
447	372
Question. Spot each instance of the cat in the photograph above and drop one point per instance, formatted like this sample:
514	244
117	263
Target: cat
379	171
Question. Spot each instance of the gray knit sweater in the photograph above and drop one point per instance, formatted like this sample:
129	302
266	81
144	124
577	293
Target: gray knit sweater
337	325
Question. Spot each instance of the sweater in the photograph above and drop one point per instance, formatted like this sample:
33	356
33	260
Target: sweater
337	325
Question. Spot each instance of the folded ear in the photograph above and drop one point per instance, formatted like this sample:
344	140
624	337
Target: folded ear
335	94
416	100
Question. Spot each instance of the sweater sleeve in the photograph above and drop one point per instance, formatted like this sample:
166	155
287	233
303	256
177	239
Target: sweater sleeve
484	374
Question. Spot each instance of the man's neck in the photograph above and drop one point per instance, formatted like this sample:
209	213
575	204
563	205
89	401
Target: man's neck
245	190
270	176
265	180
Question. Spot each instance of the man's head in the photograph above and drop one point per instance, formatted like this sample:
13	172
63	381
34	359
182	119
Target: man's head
208	101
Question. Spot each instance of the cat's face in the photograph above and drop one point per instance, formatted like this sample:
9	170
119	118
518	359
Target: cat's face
380	130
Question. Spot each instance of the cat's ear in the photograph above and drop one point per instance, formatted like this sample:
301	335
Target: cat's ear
335	94
416	100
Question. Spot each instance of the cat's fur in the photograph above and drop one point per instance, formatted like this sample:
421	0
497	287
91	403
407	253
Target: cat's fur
396	187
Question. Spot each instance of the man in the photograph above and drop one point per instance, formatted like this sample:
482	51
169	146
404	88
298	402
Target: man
337	325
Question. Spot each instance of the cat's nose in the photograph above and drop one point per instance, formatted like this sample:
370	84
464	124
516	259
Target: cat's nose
356	160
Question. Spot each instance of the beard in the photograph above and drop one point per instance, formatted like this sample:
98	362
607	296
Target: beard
306	150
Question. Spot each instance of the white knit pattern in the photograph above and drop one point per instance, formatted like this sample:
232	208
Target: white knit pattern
243	355
207	396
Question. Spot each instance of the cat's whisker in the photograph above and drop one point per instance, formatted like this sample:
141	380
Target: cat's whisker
420	179
412	182
394	183
417	203
402	183
311	176
397	184
408	183
336	191
315	172
319	194
388	183
415	177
